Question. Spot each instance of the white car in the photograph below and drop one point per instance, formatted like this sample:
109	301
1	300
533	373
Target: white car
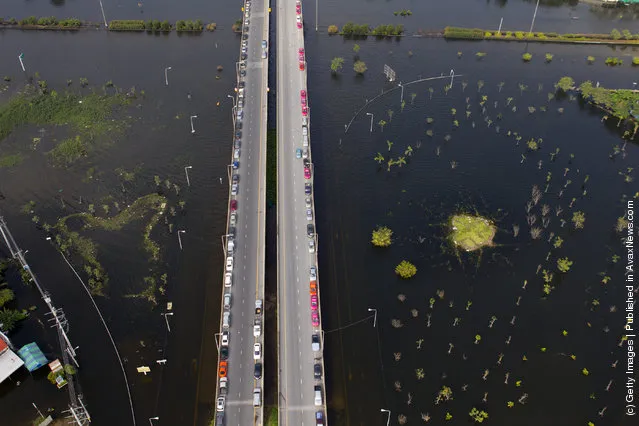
308	202
228	277
244	49
311	246
229	264
225	338
234	189
257	351
263	53
313	273
233	219
220	403
224	382
257	329
236	154
305	153
309	214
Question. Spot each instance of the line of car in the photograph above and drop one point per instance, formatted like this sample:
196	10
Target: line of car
304	154
223	377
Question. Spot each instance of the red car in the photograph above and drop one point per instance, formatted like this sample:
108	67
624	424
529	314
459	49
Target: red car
301	65
304	111
307	173
315	318
313	302
303	102
301	52
298	8
303	94
233	205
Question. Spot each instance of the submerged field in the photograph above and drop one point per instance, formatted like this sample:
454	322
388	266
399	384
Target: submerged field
497	326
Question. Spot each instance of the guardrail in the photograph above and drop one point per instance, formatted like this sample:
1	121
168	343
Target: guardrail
316	254
259	416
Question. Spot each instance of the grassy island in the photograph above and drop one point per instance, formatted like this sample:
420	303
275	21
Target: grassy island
471	232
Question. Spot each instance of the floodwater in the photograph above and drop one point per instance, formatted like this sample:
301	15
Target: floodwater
353	196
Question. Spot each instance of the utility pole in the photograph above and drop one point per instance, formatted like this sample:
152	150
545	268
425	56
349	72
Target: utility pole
186	170
374	318
316	14
103	16
452	76
179	238
193	128
500	22
402	97
371	114
20	57
166	75
533	20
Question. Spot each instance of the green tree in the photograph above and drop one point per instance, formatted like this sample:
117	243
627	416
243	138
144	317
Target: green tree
565	84
405	269
389	144
409	151
390	113
166	26
10	317
337	64
564	264
332	29
615	34
359	67
379	158
6	296
578	219
526	57
558	242
382	123
356	48
382	236
401	161
477	415
627	34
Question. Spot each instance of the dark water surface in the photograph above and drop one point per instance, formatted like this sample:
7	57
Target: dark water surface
353	196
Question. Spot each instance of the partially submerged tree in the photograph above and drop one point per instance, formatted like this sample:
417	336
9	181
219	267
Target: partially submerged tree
565	84
337	64
382	236
405	269
564	264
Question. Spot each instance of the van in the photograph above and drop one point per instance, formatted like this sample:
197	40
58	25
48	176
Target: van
226	320
318	395
305	141
257	397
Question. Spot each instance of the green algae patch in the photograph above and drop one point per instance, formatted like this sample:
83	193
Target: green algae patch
471	232
89	116
67	239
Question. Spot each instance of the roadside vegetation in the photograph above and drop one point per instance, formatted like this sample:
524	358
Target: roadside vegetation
615	37
351	29
45	22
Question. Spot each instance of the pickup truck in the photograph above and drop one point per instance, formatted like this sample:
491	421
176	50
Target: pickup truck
258	307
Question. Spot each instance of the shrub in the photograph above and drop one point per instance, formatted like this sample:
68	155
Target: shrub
405	269
464	33
526	57
590	59
519	34
509	33
635	60
127	25
211	27
360	67
332	29
615	34
565	84
549	57
552	35
613	61
488	34
382	236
